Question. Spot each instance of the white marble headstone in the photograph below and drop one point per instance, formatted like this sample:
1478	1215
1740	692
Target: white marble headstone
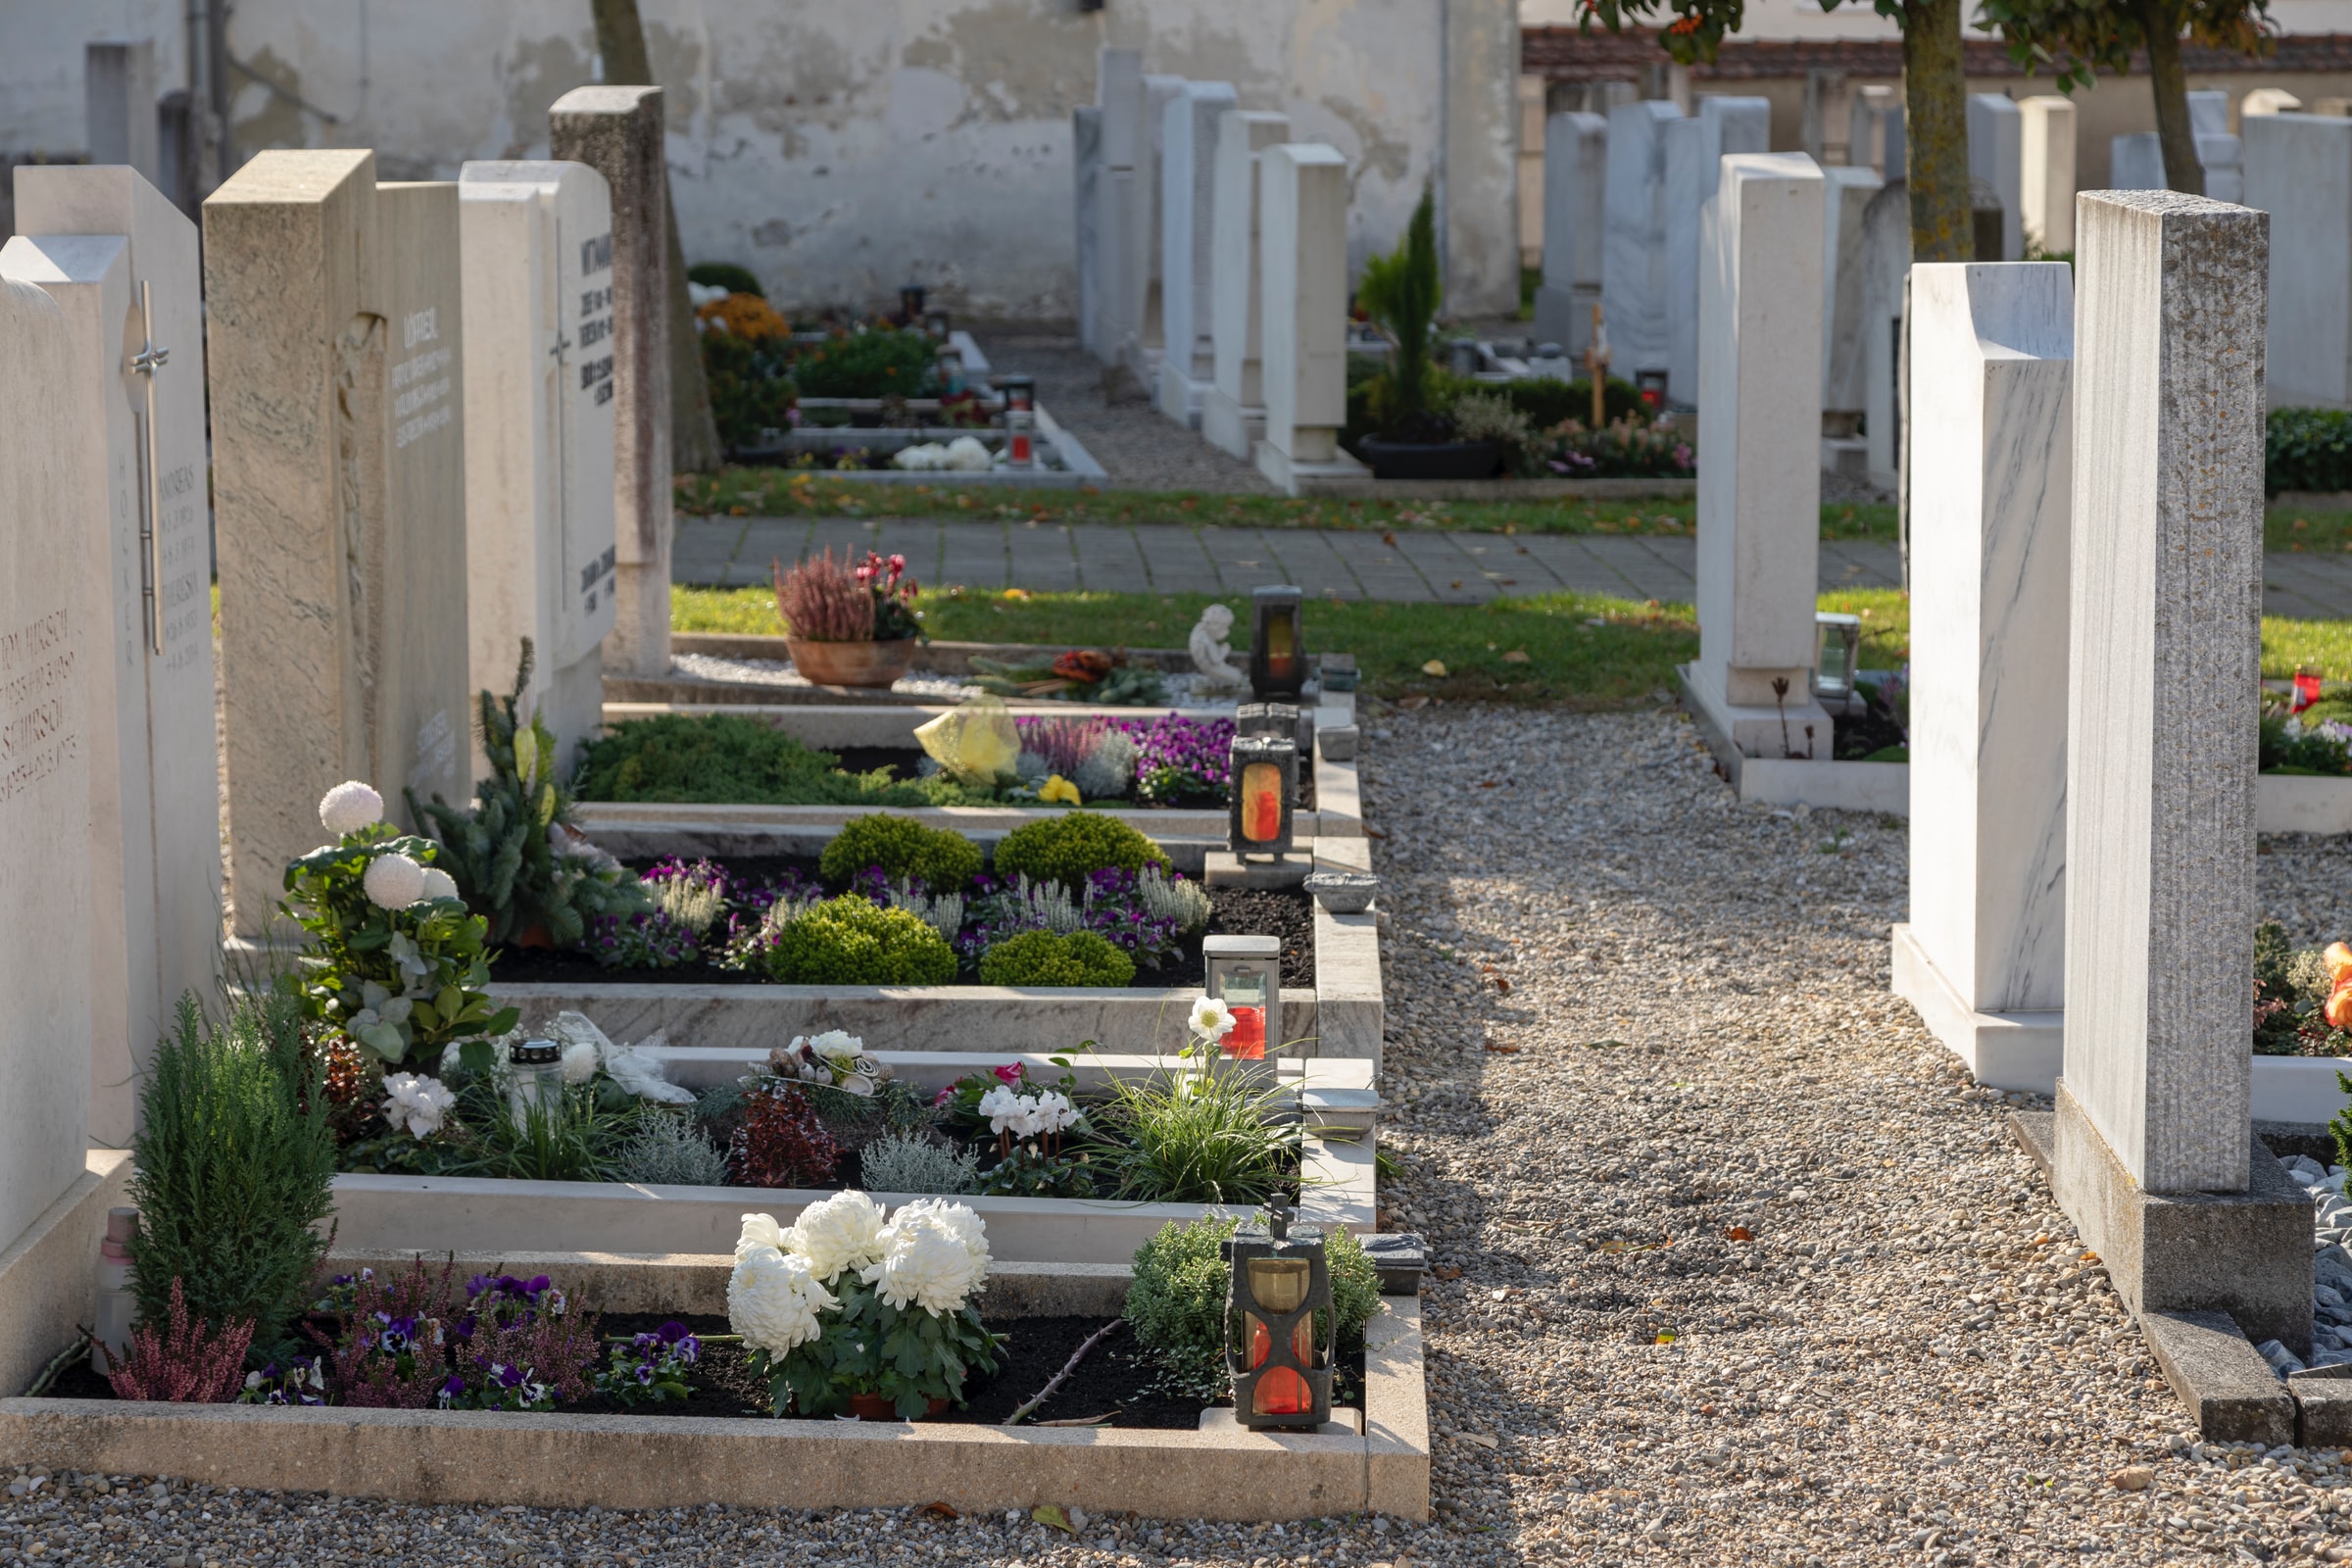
1845	199
2046	180
1233	416
1146	309
1576	173
1086	165
1187	244
1695	149
1632	276
1996	156
1302	232
1118	246
2299	171
1875	131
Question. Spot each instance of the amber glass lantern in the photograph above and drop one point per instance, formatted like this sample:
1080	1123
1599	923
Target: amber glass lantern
1246	974
910	305
1266	783
1277	641
1280	1279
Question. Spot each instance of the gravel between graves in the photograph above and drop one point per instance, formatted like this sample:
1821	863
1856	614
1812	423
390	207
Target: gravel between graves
1904	1363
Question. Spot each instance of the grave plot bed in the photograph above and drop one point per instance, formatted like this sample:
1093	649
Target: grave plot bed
870	454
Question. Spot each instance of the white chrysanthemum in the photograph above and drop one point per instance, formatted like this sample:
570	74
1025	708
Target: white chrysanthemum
960	1220
350	807
844	1231
1211	1019
836	1046
415	1105
580	1062
773	1299
394	881
439	884
758	1230
924	1264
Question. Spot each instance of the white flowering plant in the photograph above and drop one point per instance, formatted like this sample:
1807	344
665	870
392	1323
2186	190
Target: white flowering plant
836	1059
392	959
843	1304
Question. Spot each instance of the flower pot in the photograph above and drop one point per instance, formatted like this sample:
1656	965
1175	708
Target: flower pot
852	663
534	936
877	1408
1423	459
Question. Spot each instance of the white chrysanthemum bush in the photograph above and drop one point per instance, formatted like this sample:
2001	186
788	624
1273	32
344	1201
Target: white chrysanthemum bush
848	1303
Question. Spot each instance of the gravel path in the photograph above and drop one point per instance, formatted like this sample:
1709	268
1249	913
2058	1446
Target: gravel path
1113	418
1736	1267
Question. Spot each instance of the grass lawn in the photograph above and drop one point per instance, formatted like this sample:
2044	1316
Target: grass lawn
2295	531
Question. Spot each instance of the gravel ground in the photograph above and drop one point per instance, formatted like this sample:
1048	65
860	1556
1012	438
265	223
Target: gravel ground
1112	416
1735	1266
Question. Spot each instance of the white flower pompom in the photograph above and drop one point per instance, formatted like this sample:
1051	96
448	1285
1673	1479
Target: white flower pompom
394	881
773	1299
924	1264
580	1062
844	1231
758	1230
417	1105
439	884
960	1220
350	807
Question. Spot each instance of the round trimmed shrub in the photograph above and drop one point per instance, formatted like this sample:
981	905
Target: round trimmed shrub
1176	1304
851	941
944	862
1052	958
1069	847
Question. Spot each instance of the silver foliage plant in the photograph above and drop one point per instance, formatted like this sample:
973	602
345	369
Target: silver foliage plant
1108	770
913	1163
668	1150
1184	903
941	913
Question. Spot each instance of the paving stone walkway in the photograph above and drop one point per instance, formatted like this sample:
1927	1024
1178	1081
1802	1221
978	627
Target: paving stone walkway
1421	565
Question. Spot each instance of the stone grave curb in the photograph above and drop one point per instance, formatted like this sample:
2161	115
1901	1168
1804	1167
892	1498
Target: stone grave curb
1882	787
651	1462
1079	468
2292	802
1361	486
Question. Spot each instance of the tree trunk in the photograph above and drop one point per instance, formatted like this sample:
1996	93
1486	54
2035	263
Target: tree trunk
2160	23
1936	132
694	436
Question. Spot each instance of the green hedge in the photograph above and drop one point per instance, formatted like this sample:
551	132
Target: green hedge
725	760
2309	449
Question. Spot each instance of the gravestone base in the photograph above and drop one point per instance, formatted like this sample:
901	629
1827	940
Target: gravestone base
1295	476
2244	1254
2005	1050
1230	425
1179	396
1226	869
1755	731
1848	457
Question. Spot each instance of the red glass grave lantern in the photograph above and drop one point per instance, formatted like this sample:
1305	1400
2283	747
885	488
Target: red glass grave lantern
1280	1279
1265	786
1277	641
1246	974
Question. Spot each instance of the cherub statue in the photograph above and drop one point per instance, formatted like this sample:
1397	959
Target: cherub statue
1212	652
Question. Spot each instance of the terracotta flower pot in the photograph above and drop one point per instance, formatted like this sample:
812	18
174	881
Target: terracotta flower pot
852	663
876	1407
534	936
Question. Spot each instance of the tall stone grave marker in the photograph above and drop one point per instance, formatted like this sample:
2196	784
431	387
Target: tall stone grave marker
1632	263
1233	416
1886	259
1759	473
2046	182
539	499
46	649
1188	188
1576	180
1984	956
2299	171
1086	163
618	133
334	333
2153	1147
1996	156
118	106
1119	94
1846	194
1302	230
1875	133
2136	162
1146	336
154	752
1695	149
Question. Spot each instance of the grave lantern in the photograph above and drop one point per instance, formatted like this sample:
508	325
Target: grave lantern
1020	420
1277	641
910	305
1246	974
1280	1279
1836	654
1266	783
535	1078
1336	673
1278	719
939	324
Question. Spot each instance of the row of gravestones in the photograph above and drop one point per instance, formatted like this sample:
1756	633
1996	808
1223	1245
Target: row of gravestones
1213	263
438	425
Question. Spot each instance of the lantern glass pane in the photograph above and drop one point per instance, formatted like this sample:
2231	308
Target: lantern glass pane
1279	1391
1261	803
1282	649
1279	1284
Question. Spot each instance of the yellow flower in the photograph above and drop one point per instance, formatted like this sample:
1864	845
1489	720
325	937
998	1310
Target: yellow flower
1056	788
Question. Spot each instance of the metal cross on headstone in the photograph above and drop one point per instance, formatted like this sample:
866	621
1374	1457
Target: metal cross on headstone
150	358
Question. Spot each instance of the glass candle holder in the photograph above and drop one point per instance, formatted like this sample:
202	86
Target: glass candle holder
1277	641
534	1079
1245	973
1280	1285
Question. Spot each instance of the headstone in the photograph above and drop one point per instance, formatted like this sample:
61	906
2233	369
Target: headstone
1119	94
2136	162
537	245
2223	158
1086	159
1984	958
2209	112
1875	133
2267	101
118	106
1695	149
2299	171
154	751
1886	260
1147	338
1188	245
1576	177
333	353
2046	182
1302	233
1846	194
1633	280
1996	156
45	652
618	133
2152	1139
1828	117
1233	417
1759	475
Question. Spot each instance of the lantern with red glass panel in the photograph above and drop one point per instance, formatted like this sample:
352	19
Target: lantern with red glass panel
1281	1279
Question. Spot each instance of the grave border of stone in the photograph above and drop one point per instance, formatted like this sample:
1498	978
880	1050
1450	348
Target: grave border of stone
1055	441
1825	785
560	1461
2292	802
1363	487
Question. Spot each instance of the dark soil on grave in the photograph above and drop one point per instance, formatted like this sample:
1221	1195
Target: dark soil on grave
1113	1380
903	761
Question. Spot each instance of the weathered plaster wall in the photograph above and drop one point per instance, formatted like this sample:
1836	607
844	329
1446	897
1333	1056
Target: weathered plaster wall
839	148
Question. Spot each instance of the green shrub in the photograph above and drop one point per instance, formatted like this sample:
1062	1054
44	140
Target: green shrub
873	364
1546	400
2308	448
751	384
1069	847
727	276
1176	1304
233	1167
851	941
1052	958
725	759
943	860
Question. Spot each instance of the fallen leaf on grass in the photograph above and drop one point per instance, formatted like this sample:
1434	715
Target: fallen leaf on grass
1517	655
1436	667
1504	1051
1052	1516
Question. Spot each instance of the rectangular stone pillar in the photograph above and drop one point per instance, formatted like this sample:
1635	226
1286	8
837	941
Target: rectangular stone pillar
2046	182
47	646
1759	469
1845	200
618	131
2299	171
1996	156
1188	245
1147	307
1875	133
118	106
1233	416
537	242
1576	179
1302	232
1885	262
1086	163
1695	149
2135	162
333	347
1984	956
154	751
1119	94
1633	264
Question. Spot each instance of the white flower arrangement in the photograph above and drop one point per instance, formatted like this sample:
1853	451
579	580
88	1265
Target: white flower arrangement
841	1232
926	1262
417	1105
393	881
773	1297
1027	1115
836	1057
350	807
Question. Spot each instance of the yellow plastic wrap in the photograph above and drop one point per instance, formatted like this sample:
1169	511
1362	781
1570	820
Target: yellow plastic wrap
976	744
